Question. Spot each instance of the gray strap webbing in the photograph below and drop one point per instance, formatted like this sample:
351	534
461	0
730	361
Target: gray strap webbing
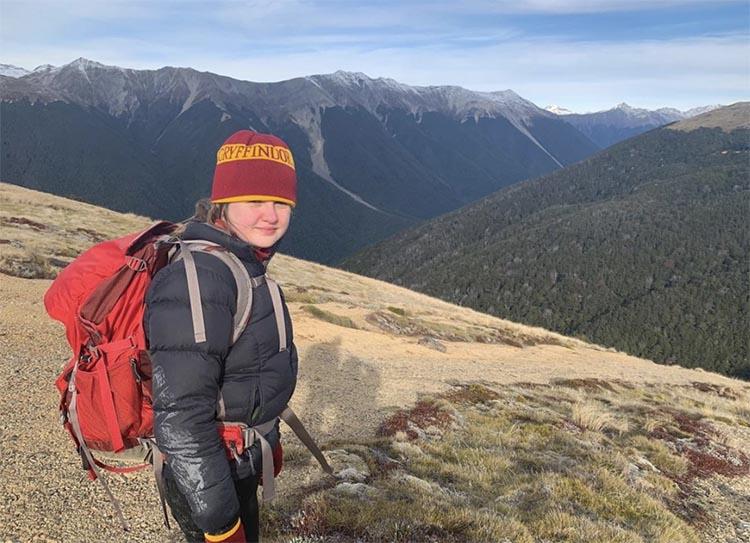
278	311
300	431
73	416
244	291
269	488
266	427
242	279
221	409
158	459
257	433
194	291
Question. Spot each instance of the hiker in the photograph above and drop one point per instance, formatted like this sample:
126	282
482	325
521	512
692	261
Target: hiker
212	493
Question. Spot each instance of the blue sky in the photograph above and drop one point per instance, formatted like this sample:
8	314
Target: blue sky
582	54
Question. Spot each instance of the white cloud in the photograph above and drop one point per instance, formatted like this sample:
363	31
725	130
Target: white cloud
409	42
681	73
581	76
554	7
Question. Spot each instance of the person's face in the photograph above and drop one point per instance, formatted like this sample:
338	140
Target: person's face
261	224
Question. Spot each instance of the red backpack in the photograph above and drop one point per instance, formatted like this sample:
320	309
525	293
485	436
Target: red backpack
105	388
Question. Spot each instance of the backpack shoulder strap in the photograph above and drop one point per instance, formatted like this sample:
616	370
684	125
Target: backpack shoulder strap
278	311
245	285
194	291
242	278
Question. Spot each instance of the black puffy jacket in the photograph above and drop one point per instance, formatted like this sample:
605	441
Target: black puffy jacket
256	381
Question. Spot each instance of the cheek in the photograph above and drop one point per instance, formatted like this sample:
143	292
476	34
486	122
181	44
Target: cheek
285	217
244	218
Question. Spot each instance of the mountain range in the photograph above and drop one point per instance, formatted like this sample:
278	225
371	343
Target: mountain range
643	247
374	156
621	122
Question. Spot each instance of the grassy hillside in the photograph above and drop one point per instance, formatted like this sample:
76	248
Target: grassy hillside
643	247
443	424
582	460
40	234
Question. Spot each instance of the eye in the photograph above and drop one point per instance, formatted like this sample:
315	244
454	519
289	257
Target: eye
281	205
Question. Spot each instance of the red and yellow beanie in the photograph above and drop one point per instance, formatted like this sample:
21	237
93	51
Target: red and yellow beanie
253	166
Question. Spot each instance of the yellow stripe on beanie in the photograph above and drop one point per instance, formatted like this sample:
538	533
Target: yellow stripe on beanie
257	151
254	198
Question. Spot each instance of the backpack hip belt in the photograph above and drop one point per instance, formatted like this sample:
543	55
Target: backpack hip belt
238	437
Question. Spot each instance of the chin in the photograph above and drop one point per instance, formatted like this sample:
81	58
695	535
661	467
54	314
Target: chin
263	243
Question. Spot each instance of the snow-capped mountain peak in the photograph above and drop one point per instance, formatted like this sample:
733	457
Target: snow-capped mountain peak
357	88
623	121
44	68
84	64
624	106
701	109
558	110
349	78
9	70
669	111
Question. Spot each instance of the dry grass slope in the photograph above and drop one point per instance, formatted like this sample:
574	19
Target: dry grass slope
40	233
572	461
507	433
727	118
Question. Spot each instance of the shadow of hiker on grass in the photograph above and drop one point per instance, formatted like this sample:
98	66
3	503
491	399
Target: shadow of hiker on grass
340	390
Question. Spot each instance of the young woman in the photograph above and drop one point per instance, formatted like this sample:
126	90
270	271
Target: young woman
212	494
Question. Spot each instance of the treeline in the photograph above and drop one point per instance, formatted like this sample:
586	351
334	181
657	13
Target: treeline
643	247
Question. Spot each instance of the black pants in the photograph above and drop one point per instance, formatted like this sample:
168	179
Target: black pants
247	494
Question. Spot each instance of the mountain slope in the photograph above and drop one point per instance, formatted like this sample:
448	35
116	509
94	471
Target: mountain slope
643	246
608	127
9	70
442	423
375	155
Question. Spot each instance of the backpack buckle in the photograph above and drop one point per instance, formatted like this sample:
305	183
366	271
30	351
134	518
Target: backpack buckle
136	264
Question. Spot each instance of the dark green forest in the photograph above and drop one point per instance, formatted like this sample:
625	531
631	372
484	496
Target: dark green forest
644	247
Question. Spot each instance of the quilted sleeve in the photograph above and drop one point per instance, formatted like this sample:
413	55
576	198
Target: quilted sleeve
186	381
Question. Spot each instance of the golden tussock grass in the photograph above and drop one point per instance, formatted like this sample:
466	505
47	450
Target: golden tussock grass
44	232
531	464
327	316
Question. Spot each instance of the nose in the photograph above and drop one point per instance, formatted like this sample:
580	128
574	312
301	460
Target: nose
269	212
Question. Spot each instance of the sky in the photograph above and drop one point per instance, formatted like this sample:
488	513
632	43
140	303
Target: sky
585	55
